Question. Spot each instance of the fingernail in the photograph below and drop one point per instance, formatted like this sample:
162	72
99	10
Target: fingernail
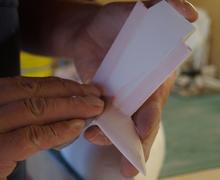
91	90
190	11
185	8
127	169
94	101
79	124
96	136
91	132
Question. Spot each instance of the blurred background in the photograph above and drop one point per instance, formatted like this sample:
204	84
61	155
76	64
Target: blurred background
191	118
192	115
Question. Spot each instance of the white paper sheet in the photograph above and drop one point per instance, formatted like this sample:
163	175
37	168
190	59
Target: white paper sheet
148	48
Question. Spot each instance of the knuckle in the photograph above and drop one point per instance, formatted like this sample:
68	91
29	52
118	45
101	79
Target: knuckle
29	86
34	136
36	106
42	137
51	132
65	84
37	137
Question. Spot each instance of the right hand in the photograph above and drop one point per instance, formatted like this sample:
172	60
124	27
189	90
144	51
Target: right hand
41	113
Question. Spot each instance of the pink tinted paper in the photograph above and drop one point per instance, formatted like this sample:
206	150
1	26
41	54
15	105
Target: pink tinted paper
148	48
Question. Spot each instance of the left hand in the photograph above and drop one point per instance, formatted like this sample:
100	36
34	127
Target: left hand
95	40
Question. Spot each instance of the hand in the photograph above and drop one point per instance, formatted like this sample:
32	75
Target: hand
94	38
85	32
91	45
41	113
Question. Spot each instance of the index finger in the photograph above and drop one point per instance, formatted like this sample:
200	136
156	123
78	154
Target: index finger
17	88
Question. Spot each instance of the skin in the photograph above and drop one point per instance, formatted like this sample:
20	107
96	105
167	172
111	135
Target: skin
96	38
42	113
97	33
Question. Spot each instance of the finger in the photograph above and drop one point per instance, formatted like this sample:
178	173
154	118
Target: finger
94	135
6	168
38	111
17	88
147	121
28	140
182	6
127	169
185	8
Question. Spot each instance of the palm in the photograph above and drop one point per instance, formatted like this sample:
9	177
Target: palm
97	36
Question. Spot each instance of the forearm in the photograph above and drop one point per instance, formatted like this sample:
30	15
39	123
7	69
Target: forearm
47	26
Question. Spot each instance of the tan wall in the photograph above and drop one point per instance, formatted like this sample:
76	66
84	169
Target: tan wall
213	8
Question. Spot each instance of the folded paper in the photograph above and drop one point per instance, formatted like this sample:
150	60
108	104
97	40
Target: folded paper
146	51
